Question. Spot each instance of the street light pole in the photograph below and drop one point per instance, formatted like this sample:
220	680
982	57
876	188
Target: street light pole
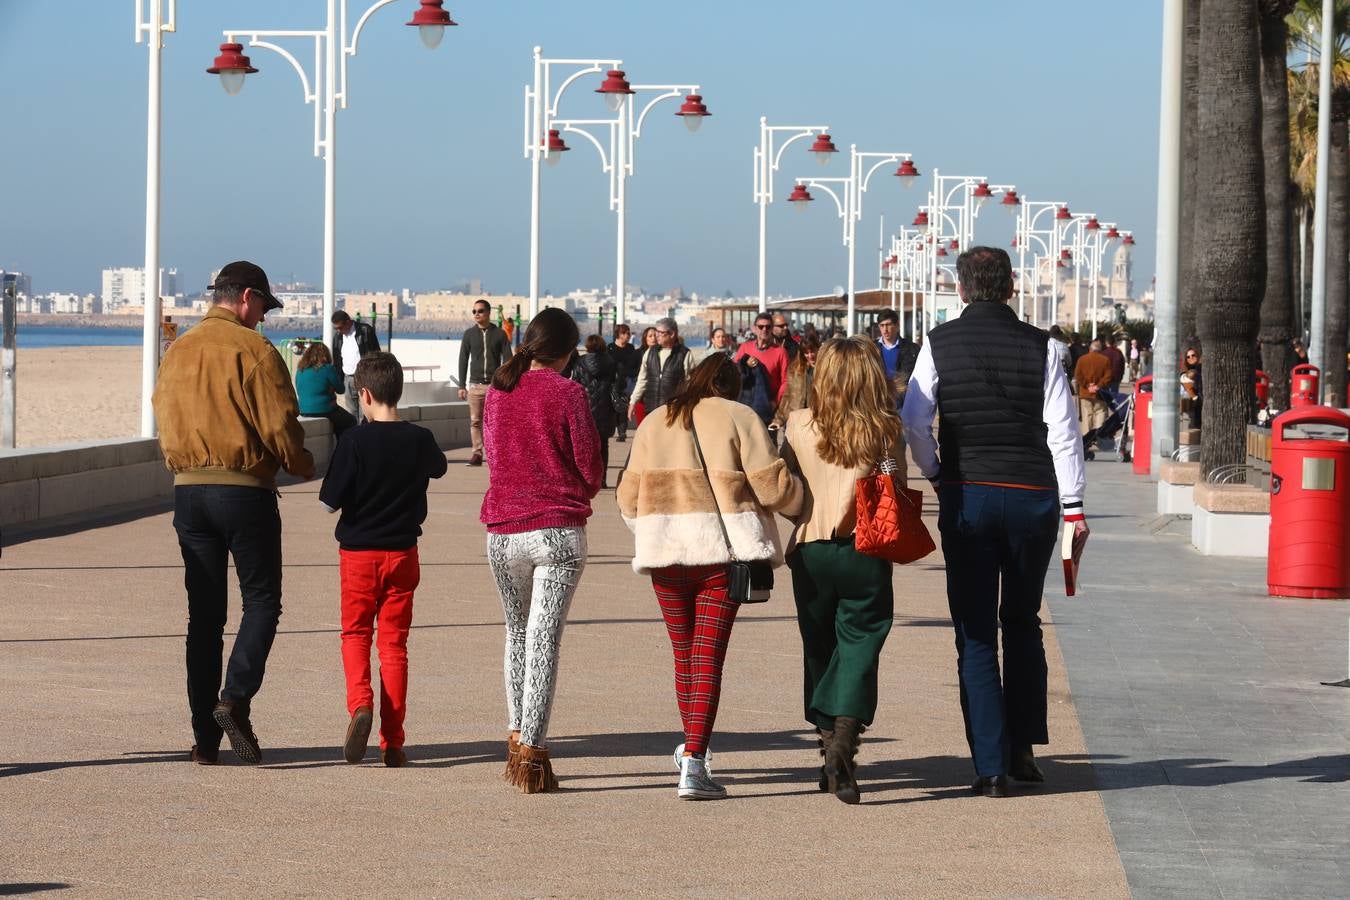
151	26
1321	206
1166	381
766	163
326	90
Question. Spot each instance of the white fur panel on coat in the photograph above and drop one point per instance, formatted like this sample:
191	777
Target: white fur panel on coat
695	539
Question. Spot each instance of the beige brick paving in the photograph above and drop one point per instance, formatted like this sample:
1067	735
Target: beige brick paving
97	795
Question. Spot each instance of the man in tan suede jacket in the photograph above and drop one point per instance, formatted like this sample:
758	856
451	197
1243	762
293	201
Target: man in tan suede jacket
227	418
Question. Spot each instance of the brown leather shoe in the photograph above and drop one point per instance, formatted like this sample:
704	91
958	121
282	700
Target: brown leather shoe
203	757
239	730
358	735
475	460
395	758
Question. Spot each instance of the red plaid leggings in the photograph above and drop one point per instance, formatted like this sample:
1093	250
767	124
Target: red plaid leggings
698	619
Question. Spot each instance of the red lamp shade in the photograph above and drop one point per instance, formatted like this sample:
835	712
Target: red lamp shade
921	220
1063	214
1093	224
982	192
232	65
1010	198
431	21
1065	255
955	244
800	195
907	173
941	251
1129	240
823	147
1014	243
1112	233
615	88
693	111
555	145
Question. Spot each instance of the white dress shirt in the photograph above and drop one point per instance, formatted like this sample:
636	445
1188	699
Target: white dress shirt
1059	412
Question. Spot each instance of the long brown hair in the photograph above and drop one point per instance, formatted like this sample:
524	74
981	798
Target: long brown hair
799	364
716	376
316	354
853	403
552	335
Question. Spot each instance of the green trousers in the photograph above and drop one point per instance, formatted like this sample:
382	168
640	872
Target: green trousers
844	607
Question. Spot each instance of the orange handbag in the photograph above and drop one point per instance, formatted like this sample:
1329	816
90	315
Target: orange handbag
890	518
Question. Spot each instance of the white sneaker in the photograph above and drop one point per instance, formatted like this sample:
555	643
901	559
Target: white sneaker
707	758
696	783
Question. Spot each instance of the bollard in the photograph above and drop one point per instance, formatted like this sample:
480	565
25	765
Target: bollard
8	363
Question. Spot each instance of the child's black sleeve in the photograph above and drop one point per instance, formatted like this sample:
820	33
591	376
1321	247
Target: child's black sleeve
433	457
341	475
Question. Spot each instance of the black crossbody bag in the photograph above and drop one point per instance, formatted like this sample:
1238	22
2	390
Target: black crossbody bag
747	582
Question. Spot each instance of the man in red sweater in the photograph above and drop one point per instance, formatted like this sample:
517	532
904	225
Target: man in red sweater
762	351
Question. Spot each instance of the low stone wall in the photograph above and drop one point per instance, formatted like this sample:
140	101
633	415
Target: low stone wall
48	486
1176	484
1231	520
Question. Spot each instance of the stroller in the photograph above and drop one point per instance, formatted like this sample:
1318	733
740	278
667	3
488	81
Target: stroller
1119	419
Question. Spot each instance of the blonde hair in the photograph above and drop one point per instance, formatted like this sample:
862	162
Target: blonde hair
853	403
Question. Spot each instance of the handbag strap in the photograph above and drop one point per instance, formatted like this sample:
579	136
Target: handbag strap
702	462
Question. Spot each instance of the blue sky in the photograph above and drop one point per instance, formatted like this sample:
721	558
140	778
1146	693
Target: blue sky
1057	96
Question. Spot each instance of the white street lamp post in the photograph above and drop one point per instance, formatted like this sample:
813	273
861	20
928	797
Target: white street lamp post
623	132
1027	232
328	81
976	191
151	26
854	186
766	163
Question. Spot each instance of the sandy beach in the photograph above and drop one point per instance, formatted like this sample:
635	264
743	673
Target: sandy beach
71	394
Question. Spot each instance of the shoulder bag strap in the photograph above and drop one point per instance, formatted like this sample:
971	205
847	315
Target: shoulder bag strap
702	462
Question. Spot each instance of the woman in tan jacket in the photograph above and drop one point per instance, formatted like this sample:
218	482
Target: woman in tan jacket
844	599
673	509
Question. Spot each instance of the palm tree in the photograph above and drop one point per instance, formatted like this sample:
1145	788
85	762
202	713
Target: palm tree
1190	73
1305	31
1277	304
1230	202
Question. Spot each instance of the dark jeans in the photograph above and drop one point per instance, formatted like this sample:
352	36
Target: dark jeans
213	523
993	535
338	417
623	393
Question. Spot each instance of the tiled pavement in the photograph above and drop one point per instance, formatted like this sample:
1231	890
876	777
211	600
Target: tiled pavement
1223	763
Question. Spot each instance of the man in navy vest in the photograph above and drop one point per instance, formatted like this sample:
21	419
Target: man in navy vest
1007	462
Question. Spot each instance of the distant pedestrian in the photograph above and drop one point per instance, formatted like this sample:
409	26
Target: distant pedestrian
378	481
628	359
1077	349
782	336
1093	375
664	368
544	457
1117	360
1059	345
765	362
1193	384
844	598
800	376
351	341
702	465
1007	456
897	352
228	421
596	372
718	342
1134	360
1300	354
483	349
317	384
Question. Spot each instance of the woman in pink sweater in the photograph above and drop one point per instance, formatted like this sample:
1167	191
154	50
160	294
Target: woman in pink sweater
543	454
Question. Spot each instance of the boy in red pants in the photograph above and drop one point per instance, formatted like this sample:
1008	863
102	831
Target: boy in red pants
378	479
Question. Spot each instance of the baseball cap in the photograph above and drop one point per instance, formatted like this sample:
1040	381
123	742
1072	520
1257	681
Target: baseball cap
246	275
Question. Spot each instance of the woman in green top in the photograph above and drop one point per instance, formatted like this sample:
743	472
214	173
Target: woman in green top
317	384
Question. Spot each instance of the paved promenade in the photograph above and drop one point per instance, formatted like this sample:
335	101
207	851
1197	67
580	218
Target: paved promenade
1197	696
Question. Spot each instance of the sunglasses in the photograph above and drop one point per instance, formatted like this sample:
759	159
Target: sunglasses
481	312
761	326
660	332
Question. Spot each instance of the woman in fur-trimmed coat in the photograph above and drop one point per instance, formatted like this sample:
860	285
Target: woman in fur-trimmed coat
665	500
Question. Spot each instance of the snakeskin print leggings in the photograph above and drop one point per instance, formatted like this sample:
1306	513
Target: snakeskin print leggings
537	574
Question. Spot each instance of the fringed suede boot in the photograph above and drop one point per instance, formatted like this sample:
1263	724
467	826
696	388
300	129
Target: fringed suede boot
840	759
512	758
534	773
823	740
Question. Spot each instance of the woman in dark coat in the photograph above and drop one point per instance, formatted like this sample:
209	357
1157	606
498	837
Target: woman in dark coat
597	371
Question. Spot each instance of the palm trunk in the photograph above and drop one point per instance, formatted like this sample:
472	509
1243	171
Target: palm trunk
1338	265
1190	73
1277	351
1230	248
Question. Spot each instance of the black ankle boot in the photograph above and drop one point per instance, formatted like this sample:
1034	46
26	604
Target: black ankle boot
1022	765
840	759
823	739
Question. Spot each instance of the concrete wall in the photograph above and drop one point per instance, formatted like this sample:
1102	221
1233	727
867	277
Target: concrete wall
44	486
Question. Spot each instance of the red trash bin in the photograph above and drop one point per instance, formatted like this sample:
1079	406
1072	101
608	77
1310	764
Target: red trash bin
1303	383
1310	504
1142	453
